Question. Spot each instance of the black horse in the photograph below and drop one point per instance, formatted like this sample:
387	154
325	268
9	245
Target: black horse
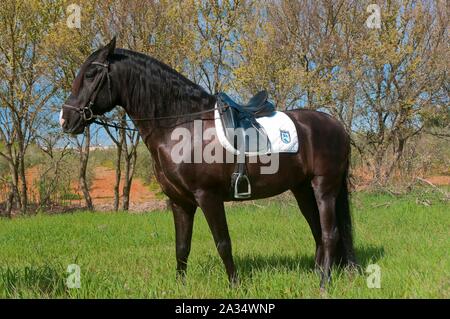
152	93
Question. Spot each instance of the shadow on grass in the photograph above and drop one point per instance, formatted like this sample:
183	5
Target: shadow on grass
369	255
247	264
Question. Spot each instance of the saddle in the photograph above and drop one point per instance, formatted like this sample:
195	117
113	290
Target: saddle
245	134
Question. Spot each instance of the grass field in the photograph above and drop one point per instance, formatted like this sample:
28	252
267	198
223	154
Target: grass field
132	255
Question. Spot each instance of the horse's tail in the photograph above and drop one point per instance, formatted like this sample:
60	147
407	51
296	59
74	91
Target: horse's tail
344	223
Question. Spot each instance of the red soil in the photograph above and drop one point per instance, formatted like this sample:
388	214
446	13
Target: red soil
439	180
102	191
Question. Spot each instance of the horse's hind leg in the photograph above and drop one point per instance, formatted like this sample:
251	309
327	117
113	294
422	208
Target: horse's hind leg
326	189
304	195
183	216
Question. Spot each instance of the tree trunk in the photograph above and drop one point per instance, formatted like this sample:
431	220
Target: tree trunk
378	174
397	157
130	165
129	173
23	184
118	177
84	158
13	168
9	204
126	185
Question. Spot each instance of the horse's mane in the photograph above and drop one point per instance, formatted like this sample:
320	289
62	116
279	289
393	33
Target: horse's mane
159	86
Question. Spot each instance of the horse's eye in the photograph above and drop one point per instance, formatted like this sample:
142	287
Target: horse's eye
90	74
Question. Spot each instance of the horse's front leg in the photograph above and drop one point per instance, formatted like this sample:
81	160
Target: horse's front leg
213	208
183	216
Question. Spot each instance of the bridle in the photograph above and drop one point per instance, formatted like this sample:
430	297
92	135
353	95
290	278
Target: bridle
86	110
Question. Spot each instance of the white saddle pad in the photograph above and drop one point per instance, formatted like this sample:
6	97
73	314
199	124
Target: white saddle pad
280	130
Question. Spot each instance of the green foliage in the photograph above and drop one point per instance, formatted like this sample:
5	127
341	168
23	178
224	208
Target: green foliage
71	196
103	157
144	164
52	185
132	255
55	188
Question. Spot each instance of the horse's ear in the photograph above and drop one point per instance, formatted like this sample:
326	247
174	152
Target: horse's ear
108	50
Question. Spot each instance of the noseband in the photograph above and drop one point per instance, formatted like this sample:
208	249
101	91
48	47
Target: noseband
86	110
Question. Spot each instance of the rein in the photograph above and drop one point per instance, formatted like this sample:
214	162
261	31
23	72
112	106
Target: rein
114	125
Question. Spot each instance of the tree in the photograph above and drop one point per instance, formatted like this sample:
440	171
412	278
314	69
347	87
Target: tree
266	61
400	84
23	89
131	142
162	29
66	49
217	30
118	138
55	146
383	84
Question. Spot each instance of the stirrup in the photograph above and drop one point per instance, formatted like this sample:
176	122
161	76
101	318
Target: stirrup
246	194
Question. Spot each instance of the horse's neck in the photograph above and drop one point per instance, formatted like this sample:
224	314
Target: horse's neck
145	109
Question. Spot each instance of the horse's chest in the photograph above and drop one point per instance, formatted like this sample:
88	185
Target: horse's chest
172	177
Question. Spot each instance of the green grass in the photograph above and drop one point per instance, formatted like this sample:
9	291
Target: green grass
132	255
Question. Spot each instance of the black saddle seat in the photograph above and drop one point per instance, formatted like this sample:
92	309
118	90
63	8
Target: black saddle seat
256	106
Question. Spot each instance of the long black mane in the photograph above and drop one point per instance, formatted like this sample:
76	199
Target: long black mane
155	89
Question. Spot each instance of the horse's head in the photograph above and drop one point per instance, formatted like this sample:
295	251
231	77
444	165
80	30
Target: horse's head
92	93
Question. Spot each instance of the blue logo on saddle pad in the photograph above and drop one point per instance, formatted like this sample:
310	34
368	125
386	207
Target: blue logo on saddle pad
285	137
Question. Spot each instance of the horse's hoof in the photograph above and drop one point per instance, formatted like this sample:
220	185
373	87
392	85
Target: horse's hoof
181	277
325	281
234	281
353	267
323	292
